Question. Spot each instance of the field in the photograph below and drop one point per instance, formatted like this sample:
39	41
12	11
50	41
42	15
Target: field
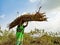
37	37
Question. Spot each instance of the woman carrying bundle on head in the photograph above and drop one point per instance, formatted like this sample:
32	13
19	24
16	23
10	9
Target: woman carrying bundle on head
20	34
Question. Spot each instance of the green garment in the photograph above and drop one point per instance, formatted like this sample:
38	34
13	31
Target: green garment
19	34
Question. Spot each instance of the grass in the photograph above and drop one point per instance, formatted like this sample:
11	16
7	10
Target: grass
43	38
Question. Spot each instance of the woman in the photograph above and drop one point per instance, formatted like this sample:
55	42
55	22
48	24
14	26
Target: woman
20	33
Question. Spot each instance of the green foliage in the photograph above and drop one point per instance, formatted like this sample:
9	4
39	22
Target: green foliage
8	38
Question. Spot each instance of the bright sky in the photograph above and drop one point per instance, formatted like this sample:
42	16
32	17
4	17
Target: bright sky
9	8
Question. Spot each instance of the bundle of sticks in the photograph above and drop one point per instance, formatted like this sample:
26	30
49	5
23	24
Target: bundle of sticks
28	17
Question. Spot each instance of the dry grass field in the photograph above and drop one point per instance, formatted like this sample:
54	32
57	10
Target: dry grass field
37	37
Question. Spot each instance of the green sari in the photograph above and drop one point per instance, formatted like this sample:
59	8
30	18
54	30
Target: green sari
19	35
